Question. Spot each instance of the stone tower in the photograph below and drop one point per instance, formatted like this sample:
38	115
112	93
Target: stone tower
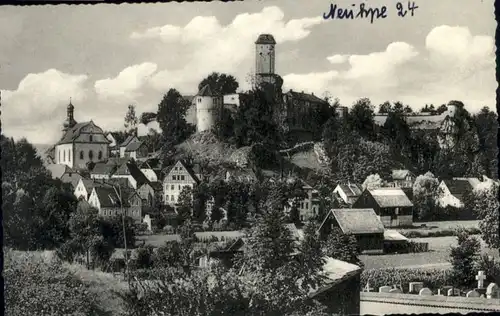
70	120
265	59
207	108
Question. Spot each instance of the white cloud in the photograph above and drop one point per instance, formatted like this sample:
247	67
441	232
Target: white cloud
127	84
36	109
455	65
337	59
223	48
457	44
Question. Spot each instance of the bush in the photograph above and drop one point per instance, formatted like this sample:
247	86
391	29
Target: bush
437	233
433	279
45	286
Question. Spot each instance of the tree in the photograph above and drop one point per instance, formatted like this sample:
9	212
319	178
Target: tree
441	109
220	84
425	194
486	206
254	121
131	119
486	123
373	181
463	258
385	107
112	231
201	196
224	125
147	117
397	134
361	118
85	233
343	247
171	118
185	205
168	255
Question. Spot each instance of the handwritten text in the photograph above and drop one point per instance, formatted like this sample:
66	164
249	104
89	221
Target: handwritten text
363	11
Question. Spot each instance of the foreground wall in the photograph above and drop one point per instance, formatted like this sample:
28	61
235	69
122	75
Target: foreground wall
391	303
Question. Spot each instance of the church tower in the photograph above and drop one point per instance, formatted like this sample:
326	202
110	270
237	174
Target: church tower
265	58
70	120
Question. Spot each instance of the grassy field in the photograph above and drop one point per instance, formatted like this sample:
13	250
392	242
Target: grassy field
446	225
437	257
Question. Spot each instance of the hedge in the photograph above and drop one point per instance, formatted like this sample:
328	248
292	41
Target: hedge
432	278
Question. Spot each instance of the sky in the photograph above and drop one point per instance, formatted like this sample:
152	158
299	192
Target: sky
105	57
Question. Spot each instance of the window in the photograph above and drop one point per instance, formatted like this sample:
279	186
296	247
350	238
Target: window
100	155
90	138
179	187
174	177
183	178
69	155
64	155
171	198
307	205
199	99
81	155
172	187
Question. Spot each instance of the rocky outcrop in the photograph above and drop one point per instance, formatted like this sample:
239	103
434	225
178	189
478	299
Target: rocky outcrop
319	150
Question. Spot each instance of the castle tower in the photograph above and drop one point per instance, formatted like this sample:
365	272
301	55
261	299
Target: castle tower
207	108
70	120
265	58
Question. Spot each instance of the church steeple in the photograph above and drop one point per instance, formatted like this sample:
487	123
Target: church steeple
70	120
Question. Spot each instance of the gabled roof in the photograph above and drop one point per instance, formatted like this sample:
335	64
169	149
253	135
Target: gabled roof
127	140
458	187
157	186
190	171
401	174
73	133
351	189
58	170
108	195
131	168
205	91
133	146
103	168
356	221
88	184
390	197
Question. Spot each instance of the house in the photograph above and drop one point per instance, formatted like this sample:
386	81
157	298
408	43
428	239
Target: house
391	205
102	170
348	193
85	186
64	173
136	150
363	224
339	290
128	169
177	177
452	192
150	168
309	206
123	146
114	149
106	199
402	178
147	194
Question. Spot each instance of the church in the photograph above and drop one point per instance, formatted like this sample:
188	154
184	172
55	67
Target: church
80	144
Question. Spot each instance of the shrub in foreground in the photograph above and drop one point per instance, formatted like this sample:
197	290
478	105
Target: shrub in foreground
45	286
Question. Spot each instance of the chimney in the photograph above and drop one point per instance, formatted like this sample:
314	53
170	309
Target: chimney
291	90
312	93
